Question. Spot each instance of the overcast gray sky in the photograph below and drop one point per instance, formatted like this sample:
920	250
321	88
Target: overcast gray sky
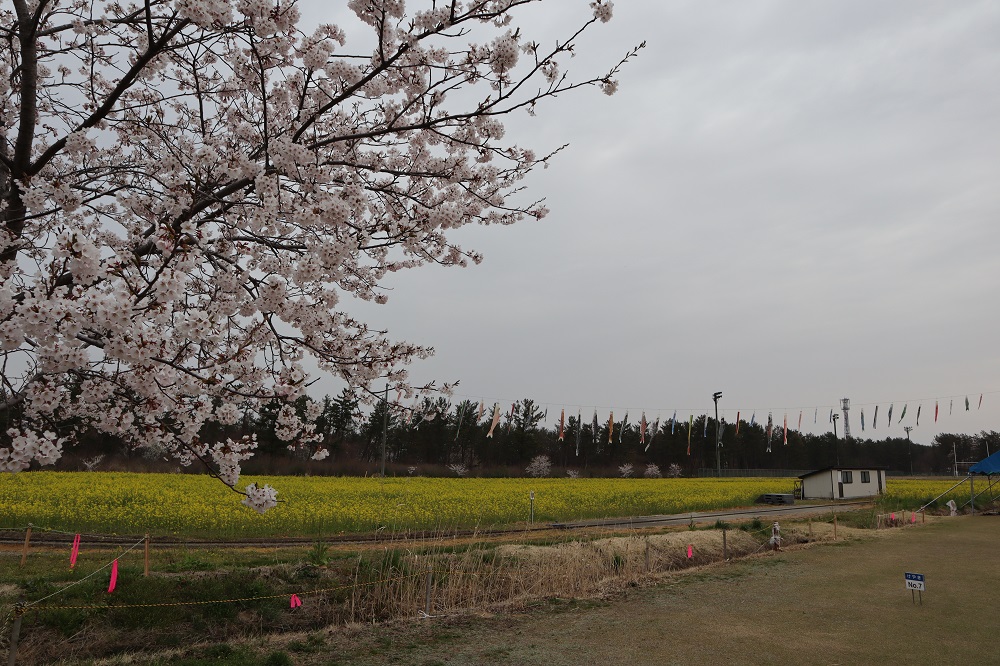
787	202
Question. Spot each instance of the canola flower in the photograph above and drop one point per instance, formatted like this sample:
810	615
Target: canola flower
198	506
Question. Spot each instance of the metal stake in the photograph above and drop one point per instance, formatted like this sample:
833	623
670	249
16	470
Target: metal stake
427	601
15	632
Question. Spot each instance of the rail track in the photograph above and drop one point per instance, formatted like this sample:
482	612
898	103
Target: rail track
42	537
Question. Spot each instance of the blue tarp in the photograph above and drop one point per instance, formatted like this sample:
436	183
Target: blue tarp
989	465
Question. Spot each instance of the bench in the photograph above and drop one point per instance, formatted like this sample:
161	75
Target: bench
776	498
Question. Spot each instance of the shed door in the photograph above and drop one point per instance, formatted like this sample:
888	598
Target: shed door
840	487
878	473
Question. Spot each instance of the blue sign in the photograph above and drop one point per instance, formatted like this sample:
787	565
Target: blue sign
915	581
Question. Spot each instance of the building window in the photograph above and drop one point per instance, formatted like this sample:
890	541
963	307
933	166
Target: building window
847	476
866	477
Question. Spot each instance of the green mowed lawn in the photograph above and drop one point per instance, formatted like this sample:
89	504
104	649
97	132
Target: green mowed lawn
842	603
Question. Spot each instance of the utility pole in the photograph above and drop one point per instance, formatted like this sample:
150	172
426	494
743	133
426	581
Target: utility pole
718	435
836	449
954	457
385	424
909	447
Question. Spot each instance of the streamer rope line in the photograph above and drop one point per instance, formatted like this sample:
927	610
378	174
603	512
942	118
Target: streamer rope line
90	575
229	601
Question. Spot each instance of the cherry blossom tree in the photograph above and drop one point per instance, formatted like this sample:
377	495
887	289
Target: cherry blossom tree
193	191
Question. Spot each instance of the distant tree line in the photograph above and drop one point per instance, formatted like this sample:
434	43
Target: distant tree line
435	434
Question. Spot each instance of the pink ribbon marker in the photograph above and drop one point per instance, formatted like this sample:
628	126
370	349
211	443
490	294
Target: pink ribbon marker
913	518
76	551
295	602
690	551
114	577
893	516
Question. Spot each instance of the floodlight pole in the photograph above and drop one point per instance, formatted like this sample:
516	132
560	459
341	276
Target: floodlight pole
836	449
718	435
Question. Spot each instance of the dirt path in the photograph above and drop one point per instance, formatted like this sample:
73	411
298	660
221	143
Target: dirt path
842	603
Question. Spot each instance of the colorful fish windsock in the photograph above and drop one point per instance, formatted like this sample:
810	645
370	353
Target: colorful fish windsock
919	407
562	425
482	410
935	411
690	428
770	428
673	422
496	419
737	423
611	427
862	419
785	426
621	433
889	419
753	418
875	418
579	430
642	429
966	403
461	413
800	420
903	415
980	401
595	427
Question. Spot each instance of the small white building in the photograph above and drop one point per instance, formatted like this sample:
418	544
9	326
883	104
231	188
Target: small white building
843	483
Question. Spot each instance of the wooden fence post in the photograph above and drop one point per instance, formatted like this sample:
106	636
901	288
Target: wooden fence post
725	550
145	558
834	527
648	568
27	542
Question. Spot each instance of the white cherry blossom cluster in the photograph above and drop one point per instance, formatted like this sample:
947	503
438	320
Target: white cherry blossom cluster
260	499
602	10
176	243
26	447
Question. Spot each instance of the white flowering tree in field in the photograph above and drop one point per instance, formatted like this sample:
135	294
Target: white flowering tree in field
192	190
540	466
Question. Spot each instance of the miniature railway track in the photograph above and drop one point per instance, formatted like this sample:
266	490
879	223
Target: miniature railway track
45	538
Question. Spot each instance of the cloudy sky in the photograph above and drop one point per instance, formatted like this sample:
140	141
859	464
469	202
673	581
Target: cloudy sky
787	202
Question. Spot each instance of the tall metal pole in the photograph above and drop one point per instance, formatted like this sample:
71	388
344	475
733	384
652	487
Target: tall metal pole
836	449
385	424
718	435
909	447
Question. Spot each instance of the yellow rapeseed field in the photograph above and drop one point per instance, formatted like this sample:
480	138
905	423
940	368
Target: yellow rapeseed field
196	505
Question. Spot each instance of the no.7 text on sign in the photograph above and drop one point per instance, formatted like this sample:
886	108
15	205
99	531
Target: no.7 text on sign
915	583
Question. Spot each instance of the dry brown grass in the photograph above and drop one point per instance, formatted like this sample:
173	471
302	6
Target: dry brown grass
842	603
